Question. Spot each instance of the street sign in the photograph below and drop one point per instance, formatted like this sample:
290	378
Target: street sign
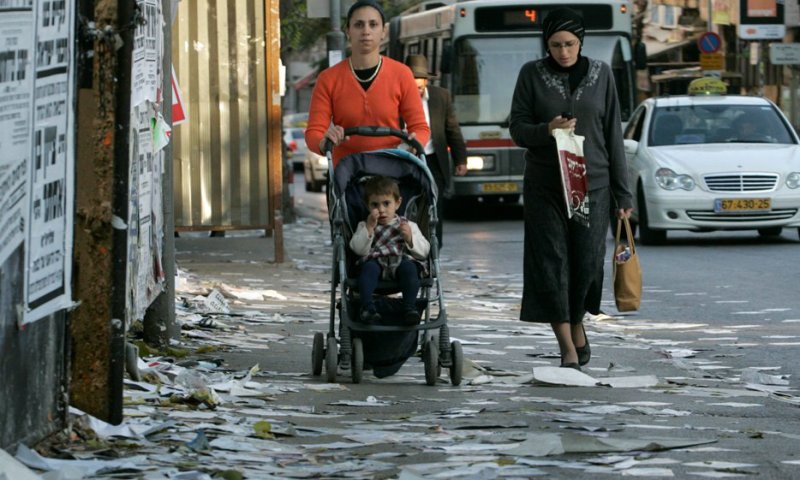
762	32
712	61
178	108
709	42
761	19
784	53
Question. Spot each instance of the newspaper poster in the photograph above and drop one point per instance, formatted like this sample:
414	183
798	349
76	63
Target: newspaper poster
145	222
48	257
573	174
16	92
147	54
148	136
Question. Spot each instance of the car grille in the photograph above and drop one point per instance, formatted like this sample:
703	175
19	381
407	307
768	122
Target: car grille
741	183
711	216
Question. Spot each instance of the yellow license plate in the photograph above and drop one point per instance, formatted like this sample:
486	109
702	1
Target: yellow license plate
499	187
742	205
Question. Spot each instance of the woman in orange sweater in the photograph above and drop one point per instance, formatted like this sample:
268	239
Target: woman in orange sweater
367	89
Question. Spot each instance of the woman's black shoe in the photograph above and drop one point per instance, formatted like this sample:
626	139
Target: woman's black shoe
571	365
584	352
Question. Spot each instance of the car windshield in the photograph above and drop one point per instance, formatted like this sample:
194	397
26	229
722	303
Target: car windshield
702	124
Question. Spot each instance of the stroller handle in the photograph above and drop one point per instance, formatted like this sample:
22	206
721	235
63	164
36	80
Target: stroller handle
377	132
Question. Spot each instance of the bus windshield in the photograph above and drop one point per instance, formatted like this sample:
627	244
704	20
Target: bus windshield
486	69
484	76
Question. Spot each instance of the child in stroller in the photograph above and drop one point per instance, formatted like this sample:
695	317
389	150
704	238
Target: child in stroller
390	247
388	333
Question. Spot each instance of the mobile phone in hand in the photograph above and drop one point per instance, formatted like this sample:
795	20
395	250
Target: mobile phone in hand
566	115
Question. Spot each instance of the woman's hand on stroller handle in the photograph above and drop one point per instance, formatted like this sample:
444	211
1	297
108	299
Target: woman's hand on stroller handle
333	136
336	135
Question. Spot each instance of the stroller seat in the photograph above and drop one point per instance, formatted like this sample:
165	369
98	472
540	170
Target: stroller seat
386	345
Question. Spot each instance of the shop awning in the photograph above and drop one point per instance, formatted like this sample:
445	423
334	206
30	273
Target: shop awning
655	47
305	80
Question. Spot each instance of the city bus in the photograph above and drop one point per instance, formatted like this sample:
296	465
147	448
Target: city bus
476	49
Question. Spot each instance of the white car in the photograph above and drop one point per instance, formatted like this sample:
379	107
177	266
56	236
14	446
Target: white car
712	162
315	171
295	140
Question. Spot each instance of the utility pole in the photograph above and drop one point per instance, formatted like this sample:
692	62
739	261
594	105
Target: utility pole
335	38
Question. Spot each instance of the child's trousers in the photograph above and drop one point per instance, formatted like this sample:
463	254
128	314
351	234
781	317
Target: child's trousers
406	274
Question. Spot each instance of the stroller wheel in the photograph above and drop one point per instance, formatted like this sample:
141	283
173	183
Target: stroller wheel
357	360
457	355
317	353
431	358
331	359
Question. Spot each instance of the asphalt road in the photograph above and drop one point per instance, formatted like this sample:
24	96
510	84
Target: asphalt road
720	321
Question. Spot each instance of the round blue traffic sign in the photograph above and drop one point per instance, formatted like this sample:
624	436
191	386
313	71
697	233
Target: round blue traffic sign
709	42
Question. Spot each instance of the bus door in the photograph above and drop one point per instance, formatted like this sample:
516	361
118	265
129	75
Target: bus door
615	50
484	73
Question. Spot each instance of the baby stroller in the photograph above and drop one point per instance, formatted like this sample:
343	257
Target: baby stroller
386	345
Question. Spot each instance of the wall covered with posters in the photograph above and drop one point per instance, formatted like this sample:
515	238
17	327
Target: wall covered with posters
37	166
149	135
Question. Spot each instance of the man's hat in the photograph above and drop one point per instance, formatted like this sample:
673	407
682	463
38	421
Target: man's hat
418	65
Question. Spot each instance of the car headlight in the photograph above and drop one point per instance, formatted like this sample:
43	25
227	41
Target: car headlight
793	180
322	161
480	162
669	180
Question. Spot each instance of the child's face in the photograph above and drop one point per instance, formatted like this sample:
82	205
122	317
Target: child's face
385	205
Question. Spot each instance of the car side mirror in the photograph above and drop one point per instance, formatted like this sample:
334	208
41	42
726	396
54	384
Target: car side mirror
631	146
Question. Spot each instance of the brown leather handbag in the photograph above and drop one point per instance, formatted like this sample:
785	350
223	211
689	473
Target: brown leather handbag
627	272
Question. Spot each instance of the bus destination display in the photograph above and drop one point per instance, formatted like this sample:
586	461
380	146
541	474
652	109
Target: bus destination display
516	18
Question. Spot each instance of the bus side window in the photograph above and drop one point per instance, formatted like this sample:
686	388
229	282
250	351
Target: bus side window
447	57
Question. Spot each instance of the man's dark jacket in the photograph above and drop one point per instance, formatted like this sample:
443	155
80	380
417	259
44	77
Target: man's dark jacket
445	132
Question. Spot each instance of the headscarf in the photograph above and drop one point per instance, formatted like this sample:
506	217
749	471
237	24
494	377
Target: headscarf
563	19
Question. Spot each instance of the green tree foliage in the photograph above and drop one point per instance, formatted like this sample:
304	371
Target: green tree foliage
298	32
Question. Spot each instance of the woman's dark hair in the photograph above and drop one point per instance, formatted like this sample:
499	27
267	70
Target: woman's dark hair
362	4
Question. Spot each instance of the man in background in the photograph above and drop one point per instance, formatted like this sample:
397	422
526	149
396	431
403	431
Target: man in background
446	139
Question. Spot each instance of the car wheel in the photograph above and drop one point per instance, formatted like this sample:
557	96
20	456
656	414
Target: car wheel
647	235
770	232
318	185
309	179
311	184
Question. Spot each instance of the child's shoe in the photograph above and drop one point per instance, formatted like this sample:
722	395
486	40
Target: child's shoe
411	317
369	315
